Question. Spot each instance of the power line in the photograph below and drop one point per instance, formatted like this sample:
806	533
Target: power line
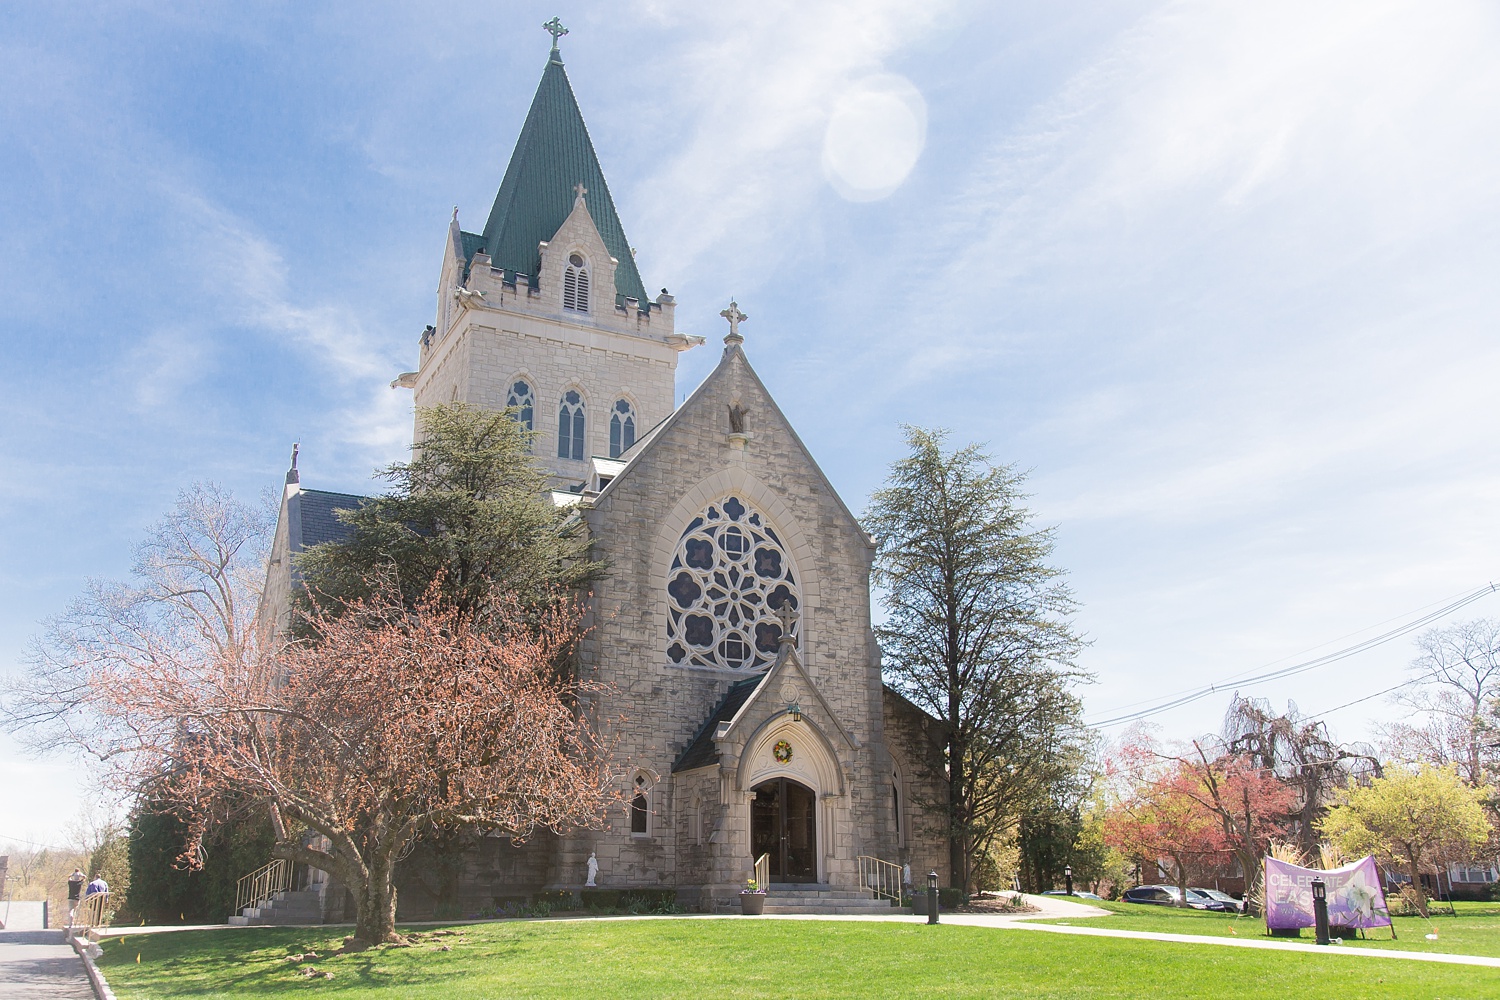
1356	701
1297	668
30	843
1301	652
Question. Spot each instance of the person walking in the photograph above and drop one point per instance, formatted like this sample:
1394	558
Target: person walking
95	887
75	889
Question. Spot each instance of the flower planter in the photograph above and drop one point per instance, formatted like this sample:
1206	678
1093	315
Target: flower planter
752	904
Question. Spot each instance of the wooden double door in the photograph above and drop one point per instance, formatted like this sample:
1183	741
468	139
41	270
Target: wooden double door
783	825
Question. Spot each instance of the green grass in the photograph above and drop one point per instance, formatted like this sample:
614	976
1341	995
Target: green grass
1475	930
737	957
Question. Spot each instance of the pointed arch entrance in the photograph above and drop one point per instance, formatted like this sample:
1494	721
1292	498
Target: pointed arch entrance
784	826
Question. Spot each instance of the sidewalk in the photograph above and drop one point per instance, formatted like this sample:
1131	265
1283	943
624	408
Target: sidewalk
41	965
1048	908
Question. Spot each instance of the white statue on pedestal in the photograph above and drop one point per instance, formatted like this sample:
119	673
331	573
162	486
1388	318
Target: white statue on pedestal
593	871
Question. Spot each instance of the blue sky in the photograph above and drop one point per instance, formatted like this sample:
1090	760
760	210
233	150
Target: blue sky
1214	272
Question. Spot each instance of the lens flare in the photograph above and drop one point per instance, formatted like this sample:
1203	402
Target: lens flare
876	133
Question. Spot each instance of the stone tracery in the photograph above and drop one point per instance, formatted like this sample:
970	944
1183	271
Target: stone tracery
729	575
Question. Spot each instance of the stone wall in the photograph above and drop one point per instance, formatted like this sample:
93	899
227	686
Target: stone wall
636	522
917	750
501	332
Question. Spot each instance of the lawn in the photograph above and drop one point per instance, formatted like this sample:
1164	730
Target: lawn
739	957
1475	930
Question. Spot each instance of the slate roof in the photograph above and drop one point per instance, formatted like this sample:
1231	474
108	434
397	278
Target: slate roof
552	154
701	752
319	523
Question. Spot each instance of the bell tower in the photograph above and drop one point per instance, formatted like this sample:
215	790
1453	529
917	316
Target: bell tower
544	309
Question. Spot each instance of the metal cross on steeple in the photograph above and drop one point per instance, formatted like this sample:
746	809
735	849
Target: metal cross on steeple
735	318
555	28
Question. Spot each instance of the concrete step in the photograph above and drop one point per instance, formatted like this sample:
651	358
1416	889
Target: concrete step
818	895
834	909
803	899
842	904
304	906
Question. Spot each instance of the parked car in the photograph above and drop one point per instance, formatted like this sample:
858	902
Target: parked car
1230	903
1077	893
1167	895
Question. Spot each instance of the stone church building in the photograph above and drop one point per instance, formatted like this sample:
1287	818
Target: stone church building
734	623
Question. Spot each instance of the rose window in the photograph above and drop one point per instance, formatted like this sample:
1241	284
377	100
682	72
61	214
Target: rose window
729	576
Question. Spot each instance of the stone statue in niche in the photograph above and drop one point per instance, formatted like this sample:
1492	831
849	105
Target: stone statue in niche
593	871
737	414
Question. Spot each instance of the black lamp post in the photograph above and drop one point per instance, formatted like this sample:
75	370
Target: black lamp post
1320	909
932	898
1068	874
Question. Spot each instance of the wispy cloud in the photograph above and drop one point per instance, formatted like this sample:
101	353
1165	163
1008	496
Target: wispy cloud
757	85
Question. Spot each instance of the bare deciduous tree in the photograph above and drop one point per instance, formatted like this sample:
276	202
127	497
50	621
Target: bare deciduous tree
1456	680
1300	753
194	594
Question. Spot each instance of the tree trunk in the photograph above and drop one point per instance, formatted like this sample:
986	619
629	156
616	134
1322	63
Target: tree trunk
957	820
1182	899
1416	883
375	912
1250	865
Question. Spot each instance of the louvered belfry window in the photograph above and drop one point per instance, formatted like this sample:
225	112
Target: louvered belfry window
576	284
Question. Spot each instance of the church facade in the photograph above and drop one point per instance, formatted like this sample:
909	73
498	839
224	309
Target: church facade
733	627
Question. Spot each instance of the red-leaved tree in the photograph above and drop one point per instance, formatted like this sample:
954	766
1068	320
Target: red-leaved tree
1160	815
1251	805
385	721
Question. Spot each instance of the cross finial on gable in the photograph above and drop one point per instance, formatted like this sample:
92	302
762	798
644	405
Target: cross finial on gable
735	318
787	615
579	191
555	28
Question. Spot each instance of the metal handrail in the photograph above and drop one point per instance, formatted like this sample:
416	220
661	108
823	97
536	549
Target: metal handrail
763	873
880	877
92	912
261	885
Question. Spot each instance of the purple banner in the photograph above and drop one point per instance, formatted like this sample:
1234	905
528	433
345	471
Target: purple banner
1355	898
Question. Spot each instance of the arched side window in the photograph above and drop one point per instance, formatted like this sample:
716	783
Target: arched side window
728	577
896	805
570	426
640	807
523	401
621	428
576	284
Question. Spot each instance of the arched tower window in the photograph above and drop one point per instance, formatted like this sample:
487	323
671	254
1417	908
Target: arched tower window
523	401
576	284
621	428
640	807
570	426
729	575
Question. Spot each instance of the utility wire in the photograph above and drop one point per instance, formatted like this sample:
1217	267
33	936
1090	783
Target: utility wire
1122	709
1356	701
32	843
1297	668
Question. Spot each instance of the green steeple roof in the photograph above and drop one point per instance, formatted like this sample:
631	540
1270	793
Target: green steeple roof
553	154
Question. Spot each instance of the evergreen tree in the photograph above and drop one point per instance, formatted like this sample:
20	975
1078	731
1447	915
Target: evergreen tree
163	890
977	635
471	510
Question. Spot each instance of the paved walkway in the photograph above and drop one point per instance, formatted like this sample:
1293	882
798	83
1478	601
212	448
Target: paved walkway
1047	908
40	965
